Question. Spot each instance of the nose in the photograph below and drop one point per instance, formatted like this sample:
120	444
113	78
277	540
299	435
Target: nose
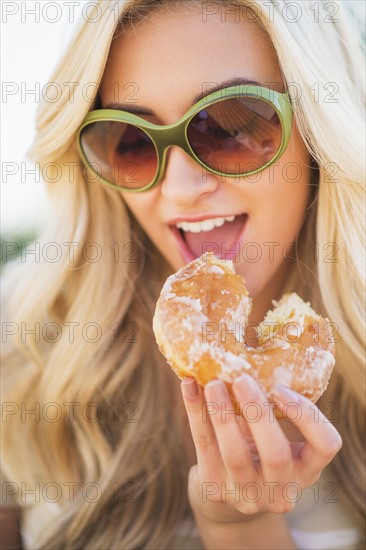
185	182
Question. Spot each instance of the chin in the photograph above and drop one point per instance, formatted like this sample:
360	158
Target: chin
259	279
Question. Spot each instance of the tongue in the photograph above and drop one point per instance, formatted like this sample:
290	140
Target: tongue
214	239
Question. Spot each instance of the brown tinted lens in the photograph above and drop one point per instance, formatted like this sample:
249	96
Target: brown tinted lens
121	153
236	136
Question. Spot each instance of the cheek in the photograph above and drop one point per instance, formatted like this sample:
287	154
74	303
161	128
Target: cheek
284	195
278	211
143	206
269	245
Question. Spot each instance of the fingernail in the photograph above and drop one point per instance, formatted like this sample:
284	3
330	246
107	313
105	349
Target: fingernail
284	394
246	382
218	387
190	387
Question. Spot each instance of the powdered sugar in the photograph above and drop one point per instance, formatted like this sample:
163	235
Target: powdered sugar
319	358
193	303
215	269
283	375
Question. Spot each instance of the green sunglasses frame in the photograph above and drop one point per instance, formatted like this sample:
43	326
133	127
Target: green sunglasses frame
175	134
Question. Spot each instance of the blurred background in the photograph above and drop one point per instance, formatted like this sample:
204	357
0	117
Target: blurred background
32	40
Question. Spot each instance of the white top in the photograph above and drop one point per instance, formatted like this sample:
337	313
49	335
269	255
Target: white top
318	522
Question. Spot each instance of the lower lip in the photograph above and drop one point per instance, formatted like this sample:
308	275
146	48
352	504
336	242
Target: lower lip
187	254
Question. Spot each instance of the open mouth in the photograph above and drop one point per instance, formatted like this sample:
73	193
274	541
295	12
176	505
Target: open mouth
221	236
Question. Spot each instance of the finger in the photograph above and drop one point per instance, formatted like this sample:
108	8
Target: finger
322	439
234	449
272	445
209	461
243	425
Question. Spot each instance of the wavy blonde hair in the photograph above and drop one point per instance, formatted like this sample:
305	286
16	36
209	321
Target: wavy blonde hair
147	458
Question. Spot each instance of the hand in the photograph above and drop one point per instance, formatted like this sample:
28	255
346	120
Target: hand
245	464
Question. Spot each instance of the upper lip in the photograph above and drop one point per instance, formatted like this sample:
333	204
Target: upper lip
200	218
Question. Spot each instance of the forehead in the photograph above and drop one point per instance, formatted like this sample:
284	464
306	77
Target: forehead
176	54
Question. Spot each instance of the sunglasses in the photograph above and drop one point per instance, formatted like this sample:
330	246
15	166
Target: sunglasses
234	132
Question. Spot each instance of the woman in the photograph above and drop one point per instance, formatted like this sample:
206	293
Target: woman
116	456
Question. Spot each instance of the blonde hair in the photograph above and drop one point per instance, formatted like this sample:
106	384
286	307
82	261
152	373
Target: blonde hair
116	295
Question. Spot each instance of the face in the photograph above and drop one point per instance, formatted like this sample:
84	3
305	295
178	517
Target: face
168	60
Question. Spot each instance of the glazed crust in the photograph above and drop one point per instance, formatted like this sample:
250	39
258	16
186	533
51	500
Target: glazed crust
200	321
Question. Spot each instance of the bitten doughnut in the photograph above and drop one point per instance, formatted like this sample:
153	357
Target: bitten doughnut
200	322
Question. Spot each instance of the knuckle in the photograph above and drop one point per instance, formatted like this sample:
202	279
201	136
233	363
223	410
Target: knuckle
279	458
203	441
316	478
248	508
193	473
285	507
194	408
310	480
334	445
216	497
234	461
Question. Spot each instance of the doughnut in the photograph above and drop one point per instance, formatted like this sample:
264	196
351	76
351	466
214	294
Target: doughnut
199	325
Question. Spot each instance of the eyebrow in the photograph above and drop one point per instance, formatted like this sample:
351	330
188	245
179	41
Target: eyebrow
140	110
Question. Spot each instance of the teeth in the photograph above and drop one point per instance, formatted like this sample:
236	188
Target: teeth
206	225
